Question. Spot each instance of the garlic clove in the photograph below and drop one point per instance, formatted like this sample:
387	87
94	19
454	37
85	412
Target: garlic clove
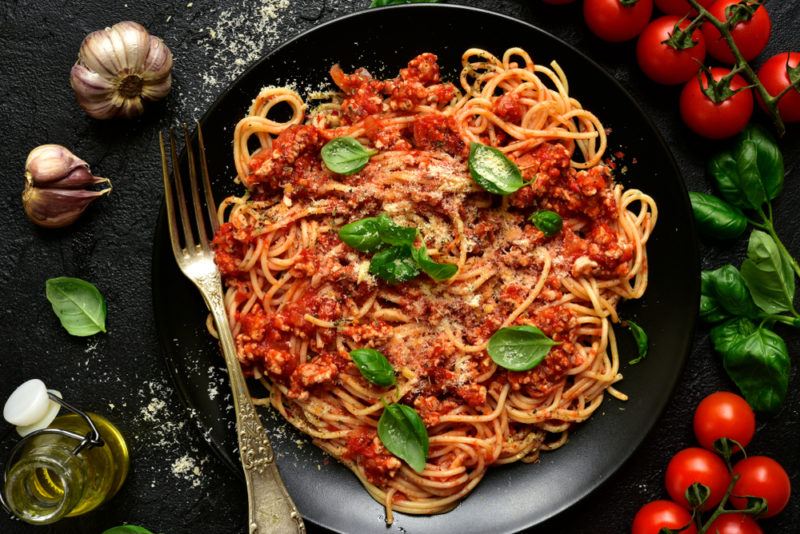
54	208
159	60
49	163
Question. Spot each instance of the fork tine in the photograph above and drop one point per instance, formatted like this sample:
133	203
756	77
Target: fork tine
184	213
173	227
198	210
210	204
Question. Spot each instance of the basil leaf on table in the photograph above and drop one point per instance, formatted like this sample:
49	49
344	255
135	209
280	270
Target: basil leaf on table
403	433
758	362
728	287
716	218
722	167
768	274
345	155
641	339
737	176
374	366
382	3
519	348
710	309
548	222
127	529
395	265
493	171
437	271
78	304
769	159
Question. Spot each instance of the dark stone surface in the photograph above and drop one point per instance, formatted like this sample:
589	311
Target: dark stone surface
121	374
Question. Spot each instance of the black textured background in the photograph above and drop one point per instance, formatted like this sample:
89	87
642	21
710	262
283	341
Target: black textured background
121	373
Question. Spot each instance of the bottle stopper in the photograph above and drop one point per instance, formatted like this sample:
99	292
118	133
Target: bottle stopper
30	407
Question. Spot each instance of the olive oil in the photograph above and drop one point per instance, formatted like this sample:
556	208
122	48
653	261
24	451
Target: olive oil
50	482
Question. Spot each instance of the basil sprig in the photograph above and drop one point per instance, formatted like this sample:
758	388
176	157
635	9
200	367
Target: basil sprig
396	259
345	155
78	304
374	366
641	339
493	171
744	304
548	222
403	433
519	348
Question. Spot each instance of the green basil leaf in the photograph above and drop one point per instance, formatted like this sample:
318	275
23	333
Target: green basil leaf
127	529
759	365
716	218
729	289
726	335
769	159
392	233
722	167
519	348
749	177
374	366
640	336
363	235
710	309
403	433
548	222
493	171
78	304
768	274
345	155
382	3
437	271
395	265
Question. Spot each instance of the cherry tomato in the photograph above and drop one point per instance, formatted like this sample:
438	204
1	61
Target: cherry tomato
697	465
663	63
750	36
654	516
734	524
724	415
680	7
614	22
716	120
760	476
775	77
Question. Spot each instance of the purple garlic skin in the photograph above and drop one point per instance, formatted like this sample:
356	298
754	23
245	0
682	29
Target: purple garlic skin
58	186
119	68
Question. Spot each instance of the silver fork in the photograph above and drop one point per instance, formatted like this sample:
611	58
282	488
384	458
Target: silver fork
270	507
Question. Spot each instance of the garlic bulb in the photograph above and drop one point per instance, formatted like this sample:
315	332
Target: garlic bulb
57	186
120	67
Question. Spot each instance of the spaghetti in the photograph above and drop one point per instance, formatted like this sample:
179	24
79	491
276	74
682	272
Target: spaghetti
299	299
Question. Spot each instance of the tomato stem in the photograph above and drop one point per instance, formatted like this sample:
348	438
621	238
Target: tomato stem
771	102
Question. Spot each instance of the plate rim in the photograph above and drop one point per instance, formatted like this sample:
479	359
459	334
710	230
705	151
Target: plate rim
219	448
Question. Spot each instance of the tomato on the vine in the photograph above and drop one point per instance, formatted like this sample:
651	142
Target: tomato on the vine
724	415
750	33
760	476
734	524
716	119
680	7
654	516
696	465
776	75
666	56
617	20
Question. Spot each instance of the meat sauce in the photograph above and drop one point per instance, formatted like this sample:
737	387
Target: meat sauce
446	378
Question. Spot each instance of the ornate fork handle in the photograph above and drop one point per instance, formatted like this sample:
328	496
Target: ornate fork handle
270	507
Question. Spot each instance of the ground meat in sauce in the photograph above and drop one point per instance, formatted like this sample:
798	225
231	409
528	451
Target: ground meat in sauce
364	447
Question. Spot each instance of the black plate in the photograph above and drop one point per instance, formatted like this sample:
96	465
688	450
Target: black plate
518	495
